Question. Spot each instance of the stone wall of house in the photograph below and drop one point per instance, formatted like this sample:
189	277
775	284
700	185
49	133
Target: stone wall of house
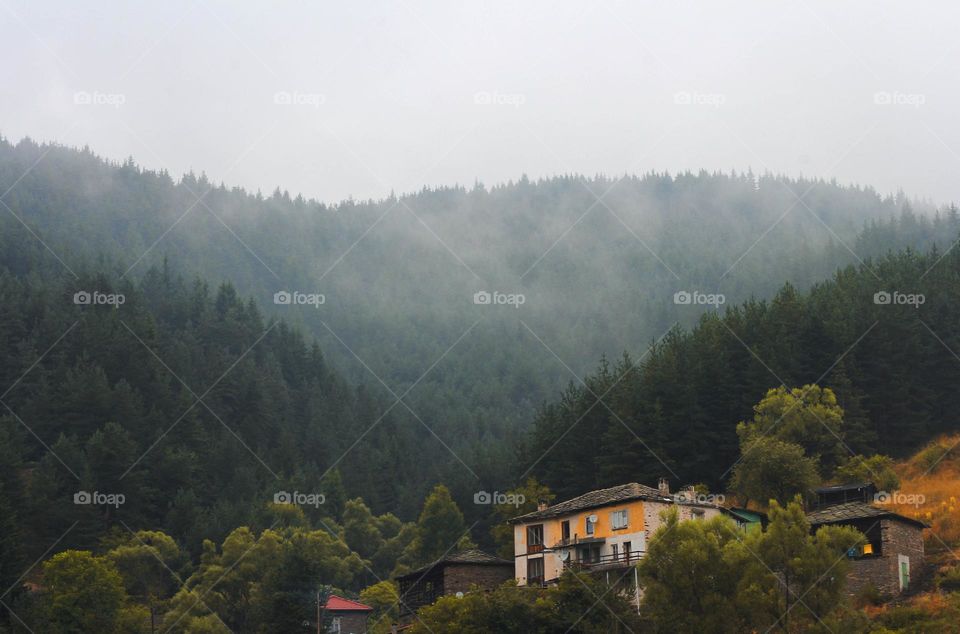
652	510
352	622
898	538
460	578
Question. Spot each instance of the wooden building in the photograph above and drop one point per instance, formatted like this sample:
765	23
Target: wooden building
453	574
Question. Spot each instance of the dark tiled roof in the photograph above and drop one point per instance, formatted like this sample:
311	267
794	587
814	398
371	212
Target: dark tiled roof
855	486
849	511
594	499
472	556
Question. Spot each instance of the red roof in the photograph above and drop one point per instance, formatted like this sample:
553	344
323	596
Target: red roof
345	605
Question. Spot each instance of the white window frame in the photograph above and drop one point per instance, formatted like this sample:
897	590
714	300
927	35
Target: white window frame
614	521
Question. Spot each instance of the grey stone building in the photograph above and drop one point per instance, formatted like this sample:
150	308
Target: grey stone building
892	557
453	574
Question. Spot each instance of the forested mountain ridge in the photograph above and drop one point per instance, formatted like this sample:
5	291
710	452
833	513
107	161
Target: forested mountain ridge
196	397
883	335
399	275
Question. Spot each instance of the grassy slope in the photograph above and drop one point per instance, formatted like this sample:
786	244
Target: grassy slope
934	473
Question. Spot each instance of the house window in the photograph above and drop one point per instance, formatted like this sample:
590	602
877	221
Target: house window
873	547
616	552
335	625
589	525
618	519
565	530
535	538
626	550
535	571
589	555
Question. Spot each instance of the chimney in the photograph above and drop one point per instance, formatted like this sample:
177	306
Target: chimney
664	485
542	505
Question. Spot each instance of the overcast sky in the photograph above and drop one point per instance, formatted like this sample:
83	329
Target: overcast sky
400	94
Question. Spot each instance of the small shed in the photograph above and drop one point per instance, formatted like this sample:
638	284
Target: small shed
892	554
747	520
843	493
345	616
452	574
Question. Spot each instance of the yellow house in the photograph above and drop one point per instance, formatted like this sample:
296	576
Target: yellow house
599	530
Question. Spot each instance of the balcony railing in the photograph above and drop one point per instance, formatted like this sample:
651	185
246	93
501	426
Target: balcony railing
577	540
613	560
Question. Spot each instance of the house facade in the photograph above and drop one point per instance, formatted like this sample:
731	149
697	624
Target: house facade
456	573
598	531
890	559
344	616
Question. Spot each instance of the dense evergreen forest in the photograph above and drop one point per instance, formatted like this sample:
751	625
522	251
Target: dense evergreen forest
398	278
893	367
399	306
174	380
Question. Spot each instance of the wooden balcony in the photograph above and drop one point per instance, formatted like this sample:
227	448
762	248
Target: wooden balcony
606	562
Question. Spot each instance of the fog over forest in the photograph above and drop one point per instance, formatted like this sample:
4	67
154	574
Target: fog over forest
301	304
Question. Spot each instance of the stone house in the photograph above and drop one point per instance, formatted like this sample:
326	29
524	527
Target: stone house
892	556
344	616
599	531
454	574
